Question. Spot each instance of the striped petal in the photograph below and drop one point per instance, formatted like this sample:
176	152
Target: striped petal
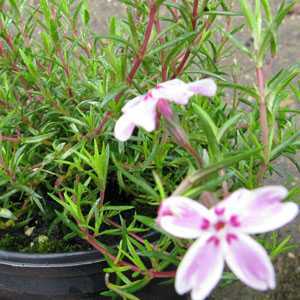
123	129
259	210
173	90
205	87
249	261
266	212
183	217
143	114
132	103
201	268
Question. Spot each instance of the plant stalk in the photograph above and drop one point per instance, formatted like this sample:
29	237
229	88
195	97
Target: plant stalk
151	273
263	120
188	51
195	13
142	51
164	68
136	64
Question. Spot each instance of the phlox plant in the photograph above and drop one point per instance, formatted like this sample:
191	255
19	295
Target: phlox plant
140	140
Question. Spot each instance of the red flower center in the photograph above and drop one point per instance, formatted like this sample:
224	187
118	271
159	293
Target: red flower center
220	225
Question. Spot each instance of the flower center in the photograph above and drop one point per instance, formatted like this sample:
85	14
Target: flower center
220	225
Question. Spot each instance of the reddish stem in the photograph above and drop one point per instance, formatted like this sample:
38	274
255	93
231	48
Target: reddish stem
57	183
135	236
93	242
158	274
263	120
195	13
141	53
150	273
175	12
224	185
13	139
9	42
1	49
182	63
136	63
102	197
187	53
66	71
164	69
102	123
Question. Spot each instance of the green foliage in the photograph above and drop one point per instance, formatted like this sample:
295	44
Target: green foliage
62	87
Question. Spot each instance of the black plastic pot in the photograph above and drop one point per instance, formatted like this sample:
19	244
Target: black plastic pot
65	276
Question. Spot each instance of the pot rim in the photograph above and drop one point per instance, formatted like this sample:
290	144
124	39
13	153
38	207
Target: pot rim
55	260
50	260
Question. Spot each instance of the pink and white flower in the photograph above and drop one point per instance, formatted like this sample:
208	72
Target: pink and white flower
222	236
142	110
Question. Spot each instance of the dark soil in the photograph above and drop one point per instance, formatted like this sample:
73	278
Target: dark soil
36	237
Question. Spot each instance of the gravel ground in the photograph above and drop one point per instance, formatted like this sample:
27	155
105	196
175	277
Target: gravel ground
288	265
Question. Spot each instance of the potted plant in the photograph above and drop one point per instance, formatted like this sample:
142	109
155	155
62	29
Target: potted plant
97	130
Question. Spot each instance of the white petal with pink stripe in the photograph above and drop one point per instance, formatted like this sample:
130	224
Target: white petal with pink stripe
142	110
221	234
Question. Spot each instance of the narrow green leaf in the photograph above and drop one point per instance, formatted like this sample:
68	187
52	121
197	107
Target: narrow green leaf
210	130
179	40
280	148
237	43
141	183
200	175
227	125
247	12
37	138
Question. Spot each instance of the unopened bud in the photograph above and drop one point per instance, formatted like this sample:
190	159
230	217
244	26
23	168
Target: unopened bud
163	106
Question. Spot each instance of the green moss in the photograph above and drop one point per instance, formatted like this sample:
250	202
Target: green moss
43	245
9	242
40	244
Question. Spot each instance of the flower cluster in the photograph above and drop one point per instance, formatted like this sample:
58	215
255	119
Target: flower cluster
222	236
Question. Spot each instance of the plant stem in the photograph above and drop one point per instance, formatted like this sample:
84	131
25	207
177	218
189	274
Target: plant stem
2	52
187	53
12	139
175	12
195	13
136	64
93	242
164	68
224	184
165	274
208	200
263	120
135	236
99	128
141	53
151	273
